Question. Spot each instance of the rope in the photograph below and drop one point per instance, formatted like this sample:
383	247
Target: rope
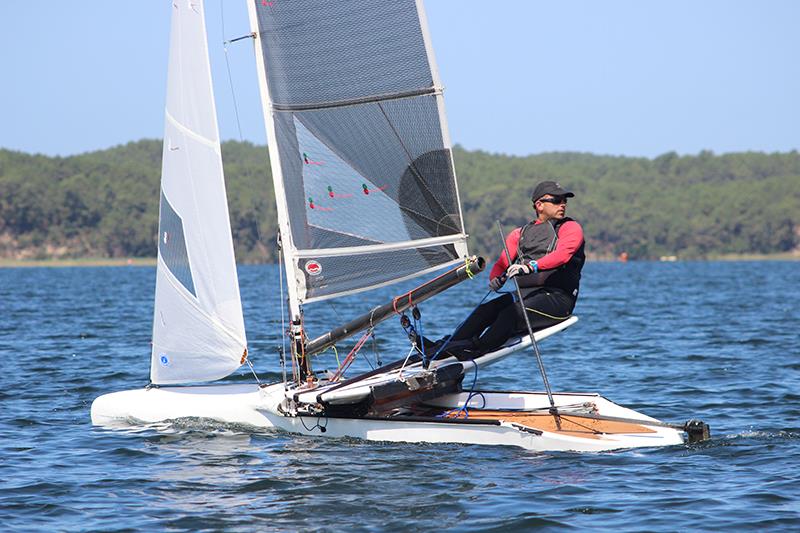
443	346
403	366
322	428
283	315
378	361
351	356
470	275
253	370
546	315
456	413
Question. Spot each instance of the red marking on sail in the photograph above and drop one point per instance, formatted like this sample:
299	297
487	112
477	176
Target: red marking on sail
308	161
312	205
335	195
367	190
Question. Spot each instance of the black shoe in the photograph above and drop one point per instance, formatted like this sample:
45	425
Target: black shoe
425	343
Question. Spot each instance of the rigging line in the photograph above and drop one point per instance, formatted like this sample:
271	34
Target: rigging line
253	370
335	311
233	94
586	427
542	313
450	337
405	362
228	66
375	349
283	314
414	170
553	409
350	357
465	408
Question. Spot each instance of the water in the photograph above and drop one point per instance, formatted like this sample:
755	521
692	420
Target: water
717	341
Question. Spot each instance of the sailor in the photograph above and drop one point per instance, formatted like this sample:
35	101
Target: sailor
546	259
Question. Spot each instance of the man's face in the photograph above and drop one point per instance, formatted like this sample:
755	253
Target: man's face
552	207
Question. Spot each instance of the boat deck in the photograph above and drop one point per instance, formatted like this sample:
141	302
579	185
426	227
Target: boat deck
574	425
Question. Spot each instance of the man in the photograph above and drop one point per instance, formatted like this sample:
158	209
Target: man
546	259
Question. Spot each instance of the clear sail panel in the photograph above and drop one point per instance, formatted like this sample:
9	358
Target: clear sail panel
198	328
319	52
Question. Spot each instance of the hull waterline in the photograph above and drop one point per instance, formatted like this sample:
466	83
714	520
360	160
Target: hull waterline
504	418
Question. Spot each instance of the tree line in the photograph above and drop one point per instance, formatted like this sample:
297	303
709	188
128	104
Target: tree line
105	203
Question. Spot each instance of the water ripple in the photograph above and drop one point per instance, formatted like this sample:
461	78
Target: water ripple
672	350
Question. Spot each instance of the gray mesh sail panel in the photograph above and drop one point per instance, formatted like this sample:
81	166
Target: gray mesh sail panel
360	144
334	275
172	245
321	51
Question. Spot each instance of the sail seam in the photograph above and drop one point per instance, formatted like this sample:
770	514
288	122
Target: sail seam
357	101
420	179
214	145
385	247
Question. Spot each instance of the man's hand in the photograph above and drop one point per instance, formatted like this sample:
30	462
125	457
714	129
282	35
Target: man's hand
522	269
496	283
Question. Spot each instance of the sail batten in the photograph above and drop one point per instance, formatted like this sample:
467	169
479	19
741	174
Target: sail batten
197	136
198	327
384	247
357	101
362	163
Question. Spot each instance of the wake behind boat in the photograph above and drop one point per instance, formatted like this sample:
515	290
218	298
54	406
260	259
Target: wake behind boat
367	196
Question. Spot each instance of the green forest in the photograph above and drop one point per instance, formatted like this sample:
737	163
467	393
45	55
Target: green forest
104	204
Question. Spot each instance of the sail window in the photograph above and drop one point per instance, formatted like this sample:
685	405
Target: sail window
172	245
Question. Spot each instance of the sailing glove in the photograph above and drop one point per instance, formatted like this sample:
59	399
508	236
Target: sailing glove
522	269
496	283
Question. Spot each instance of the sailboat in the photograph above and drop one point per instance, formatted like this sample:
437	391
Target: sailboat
367	197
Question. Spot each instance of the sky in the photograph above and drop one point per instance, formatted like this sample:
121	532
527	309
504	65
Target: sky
634	78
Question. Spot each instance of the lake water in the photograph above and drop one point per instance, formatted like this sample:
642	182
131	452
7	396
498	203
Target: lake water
716	341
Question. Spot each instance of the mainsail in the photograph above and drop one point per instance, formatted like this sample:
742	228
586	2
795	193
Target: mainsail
198	328
361	157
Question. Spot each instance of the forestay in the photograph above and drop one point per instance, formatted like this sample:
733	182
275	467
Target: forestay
361	158
198	329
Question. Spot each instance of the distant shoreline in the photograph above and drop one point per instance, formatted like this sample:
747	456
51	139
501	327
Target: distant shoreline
80	262
151	261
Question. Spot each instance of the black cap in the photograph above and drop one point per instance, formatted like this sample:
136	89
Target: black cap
550	187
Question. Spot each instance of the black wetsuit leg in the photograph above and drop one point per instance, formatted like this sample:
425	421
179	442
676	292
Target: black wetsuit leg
496	321
482	317
546	307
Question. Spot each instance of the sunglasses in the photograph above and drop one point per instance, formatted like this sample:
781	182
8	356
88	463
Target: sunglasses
558	200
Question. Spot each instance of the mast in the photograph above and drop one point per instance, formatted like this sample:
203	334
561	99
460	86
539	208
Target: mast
361	162
286	239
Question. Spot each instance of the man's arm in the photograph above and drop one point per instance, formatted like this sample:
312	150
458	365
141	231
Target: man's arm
570	238
500	266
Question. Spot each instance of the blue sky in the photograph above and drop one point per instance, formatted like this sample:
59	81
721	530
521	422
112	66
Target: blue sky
521	77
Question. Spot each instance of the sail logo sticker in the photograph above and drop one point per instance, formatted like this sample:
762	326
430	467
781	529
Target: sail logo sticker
164	360
313	268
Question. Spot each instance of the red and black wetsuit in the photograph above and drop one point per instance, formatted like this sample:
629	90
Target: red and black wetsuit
549	295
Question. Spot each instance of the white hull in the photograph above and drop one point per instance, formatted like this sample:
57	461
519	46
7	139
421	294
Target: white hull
259	407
